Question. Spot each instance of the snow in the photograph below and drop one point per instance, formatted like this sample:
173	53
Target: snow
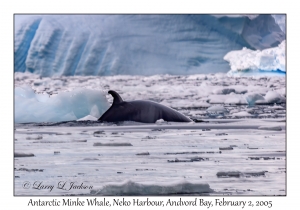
54	45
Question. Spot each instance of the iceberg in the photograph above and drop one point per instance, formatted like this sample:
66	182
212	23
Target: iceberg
56	45
64	106
247	61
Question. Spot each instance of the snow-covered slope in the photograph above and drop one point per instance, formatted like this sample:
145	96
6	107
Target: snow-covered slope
53	45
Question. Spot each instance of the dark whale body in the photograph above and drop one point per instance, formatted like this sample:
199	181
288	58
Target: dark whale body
140	111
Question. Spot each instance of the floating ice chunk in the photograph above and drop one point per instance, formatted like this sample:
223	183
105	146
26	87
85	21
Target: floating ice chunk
282	91
238	174
88	117
112	144
252	147
51	142
21	154
229	174
90	159
240	89
30	170
267	115
203	104
179	161
225	148
35	137
272	59
224	91
79	140
253	97
276	107
152	188
242	114
65	106
260	173
274	97
217	99
160	121
235	99
143	153
271	128
217	108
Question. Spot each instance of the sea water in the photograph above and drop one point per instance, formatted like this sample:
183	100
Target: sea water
236	146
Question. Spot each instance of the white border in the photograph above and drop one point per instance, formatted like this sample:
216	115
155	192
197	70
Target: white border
8	8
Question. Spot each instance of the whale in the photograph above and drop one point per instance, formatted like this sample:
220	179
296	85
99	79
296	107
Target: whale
140	111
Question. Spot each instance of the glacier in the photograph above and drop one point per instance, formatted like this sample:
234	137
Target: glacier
105	45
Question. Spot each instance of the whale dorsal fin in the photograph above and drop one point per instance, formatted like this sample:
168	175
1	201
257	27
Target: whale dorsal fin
117	97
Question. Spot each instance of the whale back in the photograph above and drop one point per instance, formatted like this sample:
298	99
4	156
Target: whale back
140	111
149	111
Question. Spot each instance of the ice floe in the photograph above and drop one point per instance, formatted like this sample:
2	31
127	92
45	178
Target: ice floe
152	188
